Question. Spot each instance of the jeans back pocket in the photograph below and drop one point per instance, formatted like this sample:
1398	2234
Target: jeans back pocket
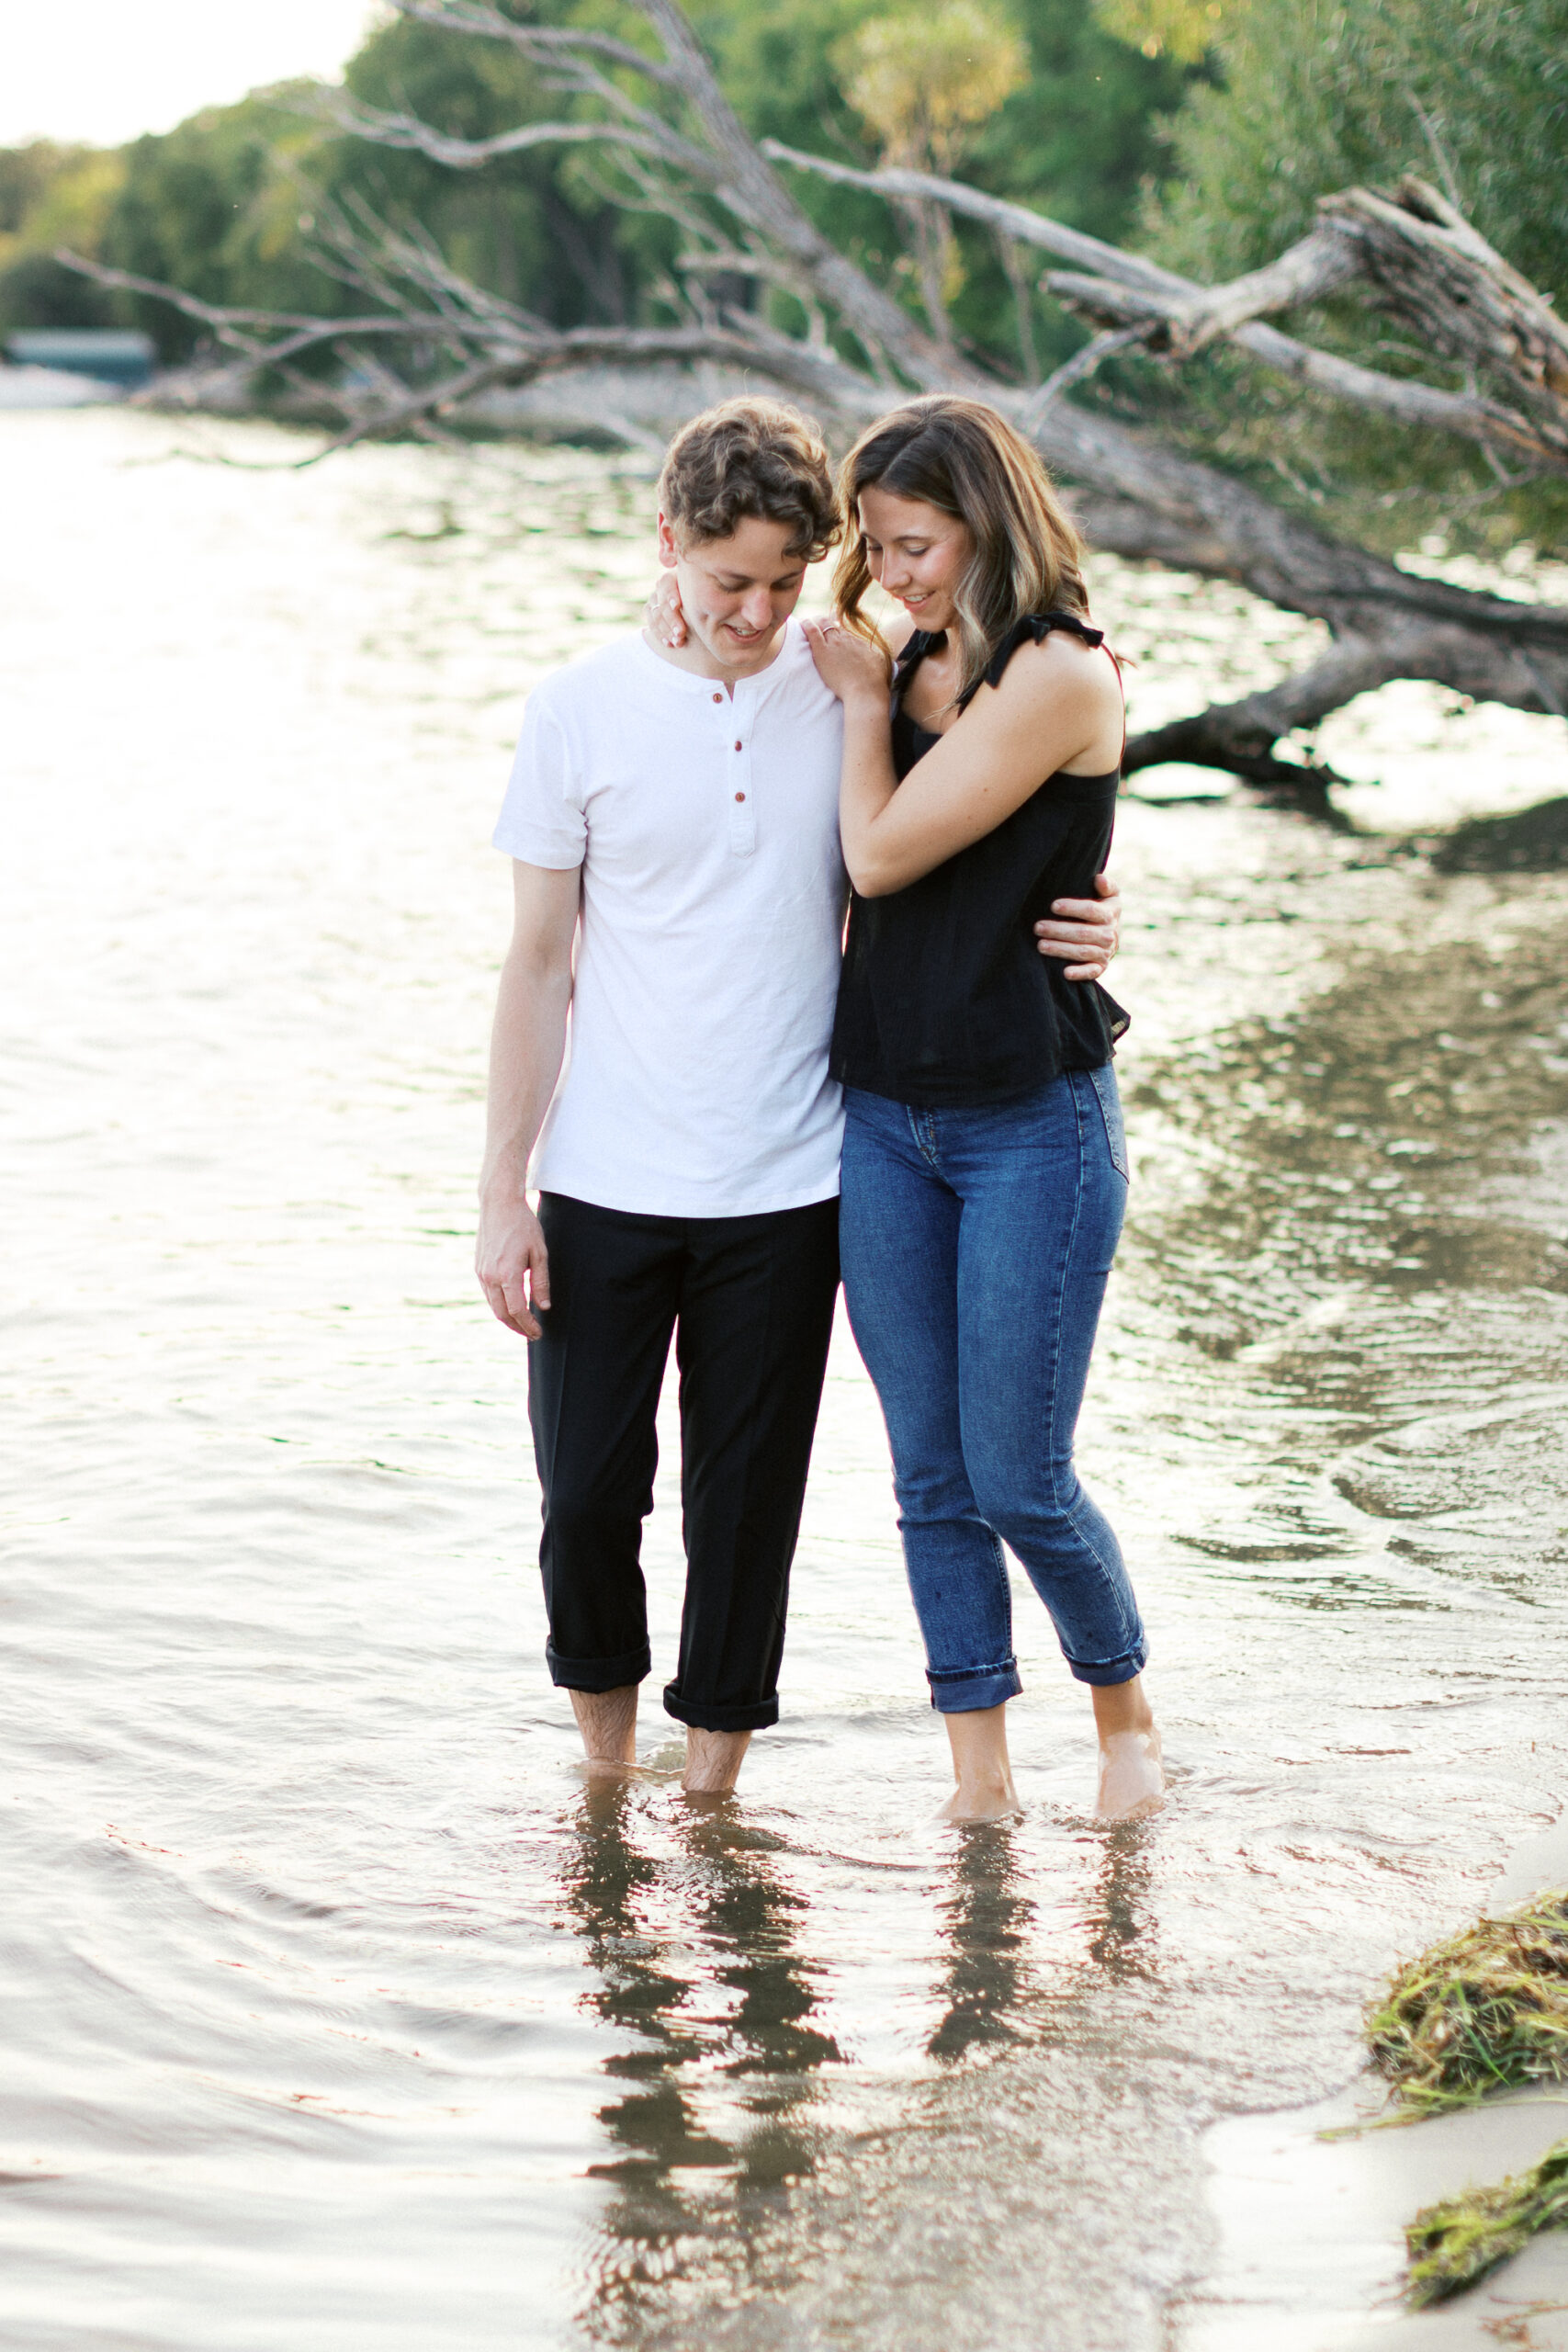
1103	1082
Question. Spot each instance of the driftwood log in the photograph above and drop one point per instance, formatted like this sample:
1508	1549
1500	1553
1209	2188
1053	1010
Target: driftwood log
678	148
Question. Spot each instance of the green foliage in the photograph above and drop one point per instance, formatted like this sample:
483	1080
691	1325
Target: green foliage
1182	29
532	228
922	79
1318	95
53	196
215	206
225	204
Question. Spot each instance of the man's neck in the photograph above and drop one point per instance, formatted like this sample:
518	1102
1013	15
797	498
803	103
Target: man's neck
696	658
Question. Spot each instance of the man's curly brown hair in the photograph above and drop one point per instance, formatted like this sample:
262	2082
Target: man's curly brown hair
750	458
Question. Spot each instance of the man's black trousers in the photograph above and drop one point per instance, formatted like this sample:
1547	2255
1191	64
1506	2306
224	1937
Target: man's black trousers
751	1302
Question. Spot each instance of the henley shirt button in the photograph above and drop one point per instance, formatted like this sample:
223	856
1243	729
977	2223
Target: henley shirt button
718	698
738	746
741	796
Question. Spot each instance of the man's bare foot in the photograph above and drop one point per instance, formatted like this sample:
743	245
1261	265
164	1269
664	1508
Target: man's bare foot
713	1761
607	1720
1131	1780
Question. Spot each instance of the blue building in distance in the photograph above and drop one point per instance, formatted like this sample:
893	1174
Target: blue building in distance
110	355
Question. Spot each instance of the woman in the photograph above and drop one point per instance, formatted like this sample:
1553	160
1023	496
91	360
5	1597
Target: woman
985	1173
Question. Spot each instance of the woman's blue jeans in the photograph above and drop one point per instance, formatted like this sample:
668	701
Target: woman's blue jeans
976	1245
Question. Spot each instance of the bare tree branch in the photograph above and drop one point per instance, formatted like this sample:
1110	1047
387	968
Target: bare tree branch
534	40
1015	220
758	196
1462	298
1078	368
407	131
1520	332
1406	399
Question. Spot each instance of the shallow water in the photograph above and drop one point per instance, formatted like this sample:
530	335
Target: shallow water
340	2011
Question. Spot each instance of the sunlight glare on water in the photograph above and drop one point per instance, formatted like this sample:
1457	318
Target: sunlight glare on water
341	2011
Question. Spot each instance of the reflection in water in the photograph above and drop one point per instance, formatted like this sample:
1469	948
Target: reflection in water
1001	1983
711	2003
693	1939
1122	1942
986	1923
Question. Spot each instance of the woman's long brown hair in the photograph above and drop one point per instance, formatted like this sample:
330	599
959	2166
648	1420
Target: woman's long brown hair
963	458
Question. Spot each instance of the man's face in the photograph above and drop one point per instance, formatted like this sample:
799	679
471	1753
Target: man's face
735	593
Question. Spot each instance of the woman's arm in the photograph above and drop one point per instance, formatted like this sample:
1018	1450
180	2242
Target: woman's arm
1058	703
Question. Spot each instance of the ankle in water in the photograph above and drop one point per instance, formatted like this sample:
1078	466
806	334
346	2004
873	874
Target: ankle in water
1132	1776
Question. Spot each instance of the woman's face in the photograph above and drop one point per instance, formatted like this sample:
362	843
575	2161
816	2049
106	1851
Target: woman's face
916	552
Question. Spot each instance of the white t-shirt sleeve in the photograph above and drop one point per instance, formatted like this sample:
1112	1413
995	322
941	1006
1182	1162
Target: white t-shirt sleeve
542	820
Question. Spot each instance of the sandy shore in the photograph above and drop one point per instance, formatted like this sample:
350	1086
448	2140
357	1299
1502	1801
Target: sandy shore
1311	2230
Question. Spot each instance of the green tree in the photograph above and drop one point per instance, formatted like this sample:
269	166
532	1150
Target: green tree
924	79
215	206
53	196
1080	137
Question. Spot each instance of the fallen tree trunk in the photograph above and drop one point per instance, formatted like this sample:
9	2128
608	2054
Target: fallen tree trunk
686	153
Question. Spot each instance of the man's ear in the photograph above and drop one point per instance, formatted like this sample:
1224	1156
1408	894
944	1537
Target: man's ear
668	553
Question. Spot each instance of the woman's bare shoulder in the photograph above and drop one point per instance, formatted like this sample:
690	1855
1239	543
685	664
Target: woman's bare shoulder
1042	671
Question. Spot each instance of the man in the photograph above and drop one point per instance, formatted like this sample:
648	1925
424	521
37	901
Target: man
681	804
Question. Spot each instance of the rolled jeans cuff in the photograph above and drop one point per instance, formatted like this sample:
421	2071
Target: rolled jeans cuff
597	1673
968	1687
756	1716
1114	1670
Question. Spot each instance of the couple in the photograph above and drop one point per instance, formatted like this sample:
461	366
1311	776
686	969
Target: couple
683	806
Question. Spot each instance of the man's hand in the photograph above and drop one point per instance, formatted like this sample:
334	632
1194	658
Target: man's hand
511	1263
1083	933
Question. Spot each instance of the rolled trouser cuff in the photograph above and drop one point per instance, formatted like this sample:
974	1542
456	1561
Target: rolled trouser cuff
1116	1669
756	1716
597	1673
969	1687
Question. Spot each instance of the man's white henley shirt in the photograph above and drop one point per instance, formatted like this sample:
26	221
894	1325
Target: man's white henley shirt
706	826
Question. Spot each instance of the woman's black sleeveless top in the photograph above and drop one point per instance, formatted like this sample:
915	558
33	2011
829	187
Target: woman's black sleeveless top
945	1000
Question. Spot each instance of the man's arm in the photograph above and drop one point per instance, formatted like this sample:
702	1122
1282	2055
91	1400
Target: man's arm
527	1047
1085	933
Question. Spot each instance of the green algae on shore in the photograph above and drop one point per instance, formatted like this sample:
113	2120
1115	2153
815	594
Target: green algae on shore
1487	2010
1454	2244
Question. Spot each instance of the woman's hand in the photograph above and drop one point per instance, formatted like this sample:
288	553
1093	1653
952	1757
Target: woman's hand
854	669
662	617
1084	933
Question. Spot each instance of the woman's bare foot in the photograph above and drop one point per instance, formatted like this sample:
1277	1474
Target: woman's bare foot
999	1803
979	1741
1131	1780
